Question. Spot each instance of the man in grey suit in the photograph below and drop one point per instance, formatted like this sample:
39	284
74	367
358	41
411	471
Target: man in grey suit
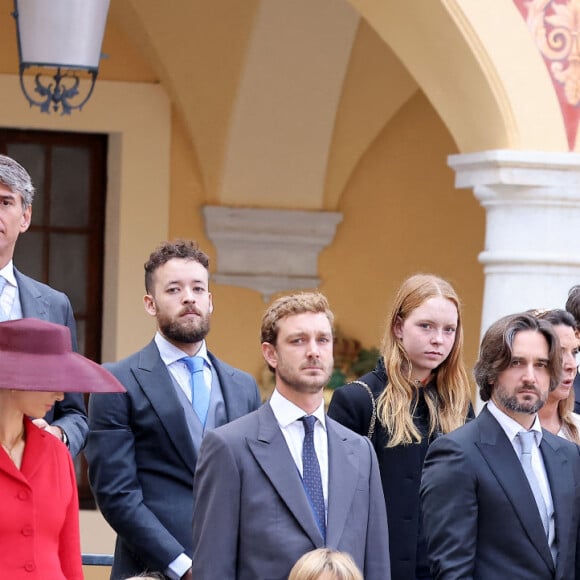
287	479
23	297
500	495
144	443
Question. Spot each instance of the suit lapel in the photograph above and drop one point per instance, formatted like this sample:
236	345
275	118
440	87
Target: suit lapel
32	301
155	381
502	460
34	455
229	387
36	449
343	467
561	481
273	456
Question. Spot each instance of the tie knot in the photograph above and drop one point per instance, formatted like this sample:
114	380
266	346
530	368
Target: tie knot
528	440
309	421
194	363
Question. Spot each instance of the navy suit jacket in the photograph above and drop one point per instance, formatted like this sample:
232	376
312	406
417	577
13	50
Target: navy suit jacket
252	519
577	394
479	513
41	301
142	459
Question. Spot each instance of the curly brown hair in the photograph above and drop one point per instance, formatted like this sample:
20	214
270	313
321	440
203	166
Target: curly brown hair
182	249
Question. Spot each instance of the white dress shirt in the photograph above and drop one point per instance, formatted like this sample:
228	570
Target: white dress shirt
171	356
288	416
9	299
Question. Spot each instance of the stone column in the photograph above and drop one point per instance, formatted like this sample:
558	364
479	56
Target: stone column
269	250
531	256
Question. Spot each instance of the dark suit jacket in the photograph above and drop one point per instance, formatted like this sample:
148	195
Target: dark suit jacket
252	519
479	512
142	459
577	394
41	301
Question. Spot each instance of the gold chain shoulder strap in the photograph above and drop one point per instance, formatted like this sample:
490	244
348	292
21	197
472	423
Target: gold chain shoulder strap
374	412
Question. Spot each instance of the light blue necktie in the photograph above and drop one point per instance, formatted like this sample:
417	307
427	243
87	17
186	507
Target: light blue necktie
199	391
311	479
3	315
527	439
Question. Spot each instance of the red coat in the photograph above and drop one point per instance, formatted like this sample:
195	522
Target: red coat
39	515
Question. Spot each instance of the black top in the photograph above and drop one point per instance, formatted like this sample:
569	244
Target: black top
400	469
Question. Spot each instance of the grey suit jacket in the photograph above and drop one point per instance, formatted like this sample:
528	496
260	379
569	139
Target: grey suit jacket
142	459
479	513
252	519
41	301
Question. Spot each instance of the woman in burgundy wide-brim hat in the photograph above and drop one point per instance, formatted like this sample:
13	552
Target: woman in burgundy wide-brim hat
39	525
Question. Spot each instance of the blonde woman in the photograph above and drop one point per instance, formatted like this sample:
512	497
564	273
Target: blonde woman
418	391
557	414
325	564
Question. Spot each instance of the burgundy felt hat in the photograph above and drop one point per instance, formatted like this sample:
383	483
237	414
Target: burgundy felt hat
36	355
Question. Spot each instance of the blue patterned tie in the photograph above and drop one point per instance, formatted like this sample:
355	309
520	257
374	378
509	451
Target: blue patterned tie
311	479
199	390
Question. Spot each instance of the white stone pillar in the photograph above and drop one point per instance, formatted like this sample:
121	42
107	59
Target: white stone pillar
532	242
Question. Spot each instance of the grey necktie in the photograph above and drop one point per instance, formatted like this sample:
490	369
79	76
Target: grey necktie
527	439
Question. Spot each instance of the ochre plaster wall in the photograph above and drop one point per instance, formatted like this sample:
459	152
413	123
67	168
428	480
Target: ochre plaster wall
402	215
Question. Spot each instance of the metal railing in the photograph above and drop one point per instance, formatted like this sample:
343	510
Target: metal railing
97	560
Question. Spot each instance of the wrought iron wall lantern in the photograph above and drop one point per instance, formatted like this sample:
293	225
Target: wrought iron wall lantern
65	35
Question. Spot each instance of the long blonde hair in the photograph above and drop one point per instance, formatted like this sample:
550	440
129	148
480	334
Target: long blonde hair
565	410
448	408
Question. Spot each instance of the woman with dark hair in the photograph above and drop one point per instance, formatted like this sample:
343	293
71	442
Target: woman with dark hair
418	391
39	527
557	414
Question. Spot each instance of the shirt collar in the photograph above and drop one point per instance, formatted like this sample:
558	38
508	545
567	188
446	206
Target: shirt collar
511	426
170	353
8	273
287	412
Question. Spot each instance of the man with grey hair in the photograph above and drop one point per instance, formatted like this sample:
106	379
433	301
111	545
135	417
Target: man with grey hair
500	495
23	297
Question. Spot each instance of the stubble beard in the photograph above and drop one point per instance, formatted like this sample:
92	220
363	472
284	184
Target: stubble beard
299	385
512	403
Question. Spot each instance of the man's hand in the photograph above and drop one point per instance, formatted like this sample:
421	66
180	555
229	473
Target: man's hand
187	575
52	429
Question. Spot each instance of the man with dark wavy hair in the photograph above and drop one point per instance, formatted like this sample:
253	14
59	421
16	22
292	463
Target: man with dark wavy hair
143	445
499	495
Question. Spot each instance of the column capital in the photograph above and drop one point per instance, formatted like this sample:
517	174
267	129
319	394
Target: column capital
531	256
532	246
269	250
505	167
